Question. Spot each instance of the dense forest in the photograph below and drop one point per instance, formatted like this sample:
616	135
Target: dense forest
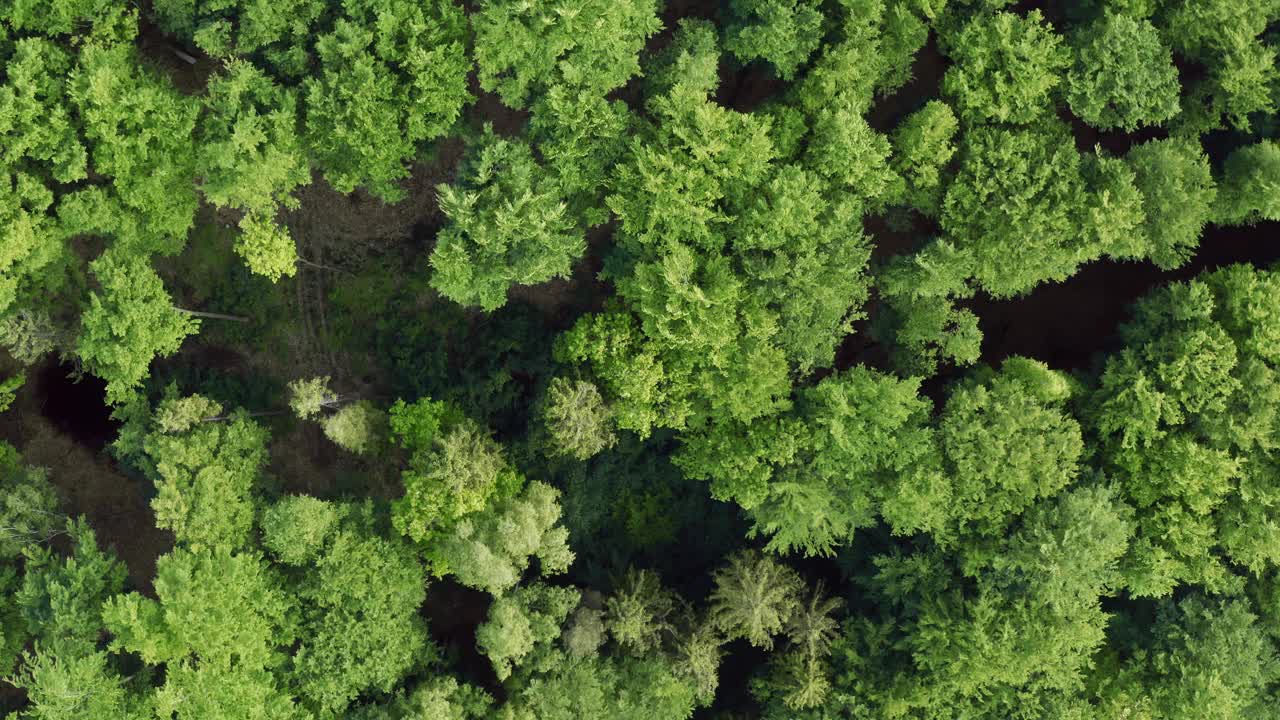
639	360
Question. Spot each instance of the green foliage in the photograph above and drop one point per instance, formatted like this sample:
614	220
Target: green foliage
453	472
520	622
249	157
29	335
1206	658
783	33
216	623
61	598
508	225
393	77
1006	68
692	398
690	61
962	642
1123	75
584	632
848	153
577	419
308	398
1185	415
1178	194
638	613
1242	69
1007	441
1250	190
360	630
923	145
9	388
40	140
755	597
205	480
439	698
74	686
811	480
1013	207
128	323
28	504
873	52
140	131
359	427
524	49
226	28
580	137
627	689
13	630
296	528
490	549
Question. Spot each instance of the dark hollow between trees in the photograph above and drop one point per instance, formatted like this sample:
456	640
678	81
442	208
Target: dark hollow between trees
77	407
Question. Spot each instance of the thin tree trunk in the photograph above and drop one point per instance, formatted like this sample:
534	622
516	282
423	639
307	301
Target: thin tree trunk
260	413
214	316
318	266
183	55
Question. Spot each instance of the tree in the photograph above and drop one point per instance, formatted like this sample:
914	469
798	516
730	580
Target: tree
393	76
1123	75
205	480
508	225
249	157
580	137
1006	68
1116	220
9	389
1204	658
754	598
809	481
28	504
577	419
1013	208
698	654
360	628
811	632
1007	440
954	636
216	624
29	335
638	613
783	33
61	599
1178	194
308	398
522	50
873	51
358	427
13	630
130	322
1242	72
584	632
41	139
1184	414
521	621
848	153
491	549
439	697
73	686
296	528
225	29
455	470
139	131
922	149
1250	189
